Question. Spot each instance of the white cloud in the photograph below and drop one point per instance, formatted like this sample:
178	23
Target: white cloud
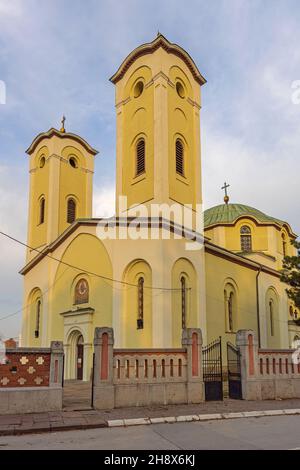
13	215
104	202
11	8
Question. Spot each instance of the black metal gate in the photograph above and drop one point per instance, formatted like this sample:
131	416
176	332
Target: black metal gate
234	372
212	370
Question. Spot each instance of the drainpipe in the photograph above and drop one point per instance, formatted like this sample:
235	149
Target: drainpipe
257	308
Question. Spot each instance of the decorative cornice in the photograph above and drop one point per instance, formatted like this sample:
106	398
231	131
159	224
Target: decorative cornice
149	48
159	223
62	135
78	311
256	221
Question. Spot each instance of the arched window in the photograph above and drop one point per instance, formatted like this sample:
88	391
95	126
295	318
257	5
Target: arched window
183	302
179	151
140	318
81	292
71	211
246	239
271	313
37	318
42	210
283	245
140	157
230	308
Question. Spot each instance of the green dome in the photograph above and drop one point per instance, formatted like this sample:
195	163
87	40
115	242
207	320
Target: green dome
229	213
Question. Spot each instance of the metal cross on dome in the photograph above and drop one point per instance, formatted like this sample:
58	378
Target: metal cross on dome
226	197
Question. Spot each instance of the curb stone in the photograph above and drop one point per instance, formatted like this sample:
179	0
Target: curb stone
13	430
202	417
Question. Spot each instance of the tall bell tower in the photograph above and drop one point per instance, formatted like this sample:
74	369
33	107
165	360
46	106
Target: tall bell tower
61	166
158	102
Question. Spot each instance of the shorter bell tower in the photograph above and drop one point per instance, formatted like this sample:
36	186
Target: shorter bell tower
61	167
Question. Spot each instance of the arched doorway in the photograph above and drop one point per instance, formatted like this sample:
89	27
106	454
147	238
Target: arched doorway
77	393
74	349
79	358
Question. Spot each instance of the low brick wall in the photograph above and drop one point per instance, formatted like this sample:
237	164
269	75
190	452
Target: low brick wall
25	367
126	377
31	379
267	374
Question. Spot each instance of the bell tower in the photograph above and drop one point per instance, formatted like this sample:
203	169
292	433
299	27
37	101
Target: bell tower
158	102
61	166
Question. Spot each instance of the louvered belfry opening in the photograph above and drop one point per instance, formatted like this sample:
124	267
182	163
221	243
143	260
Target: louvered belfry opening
71	212
179	157
140	157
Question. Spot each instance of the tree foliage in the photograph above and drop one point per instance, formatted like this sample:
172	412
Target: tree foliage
291	275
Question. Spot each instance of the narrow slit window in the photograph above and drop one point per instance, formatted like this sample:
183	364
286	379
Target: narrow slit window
271	311
37	319
183	302
71	211
140	318
42	210
284	245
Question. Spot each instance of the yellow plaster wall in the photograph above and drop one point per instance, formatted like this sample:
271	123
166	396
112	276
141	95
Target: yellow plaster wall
183	124
39	186
219	272
87	252
183	267
72	183
138	122
31	314
133	337
275	340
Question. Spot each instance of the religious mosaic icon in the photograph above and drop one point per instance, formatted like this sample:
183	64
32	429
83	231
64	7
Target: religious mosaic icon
81	292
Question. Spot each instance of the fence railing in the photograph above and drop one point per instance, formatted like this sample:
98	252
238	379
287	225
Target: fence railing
267	373
136	377
277	362
145	366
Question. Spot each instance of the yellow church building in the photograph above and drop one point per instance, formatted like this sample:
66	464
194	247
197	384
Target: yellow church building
150	285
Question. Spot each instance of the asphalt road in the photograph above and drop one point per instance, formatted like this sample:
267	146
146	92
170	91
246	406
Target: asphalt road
276	432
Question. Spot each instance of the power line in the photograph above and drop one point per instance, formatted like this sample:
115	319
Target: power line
84	270
29	305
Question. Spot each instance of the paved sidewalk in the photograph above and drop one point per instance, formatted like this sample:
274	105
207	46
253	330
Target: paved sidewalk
88	419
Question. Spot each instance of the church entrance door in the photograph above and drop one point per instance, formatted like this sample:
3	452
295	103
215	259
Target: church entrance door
79	362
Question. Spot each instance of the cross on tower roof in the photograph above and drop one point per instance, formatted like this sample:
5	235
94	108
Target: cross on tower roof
63	124
226	197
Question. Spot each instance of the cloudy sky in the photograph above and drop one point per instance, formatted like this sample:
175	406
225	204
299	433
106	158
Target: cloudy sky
57	56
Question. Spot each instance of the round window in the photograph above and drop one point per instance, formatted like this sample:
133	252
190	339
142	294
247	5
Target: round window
138	89
42	161
180	89
73	162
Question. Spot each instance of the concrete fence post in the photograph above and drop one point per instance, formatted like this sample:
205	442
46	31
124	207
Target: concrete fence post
103	393
192	342
56	364
246	342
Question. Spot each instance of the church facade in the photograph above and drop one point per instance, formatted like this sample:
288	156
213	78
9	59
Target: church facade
147	276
